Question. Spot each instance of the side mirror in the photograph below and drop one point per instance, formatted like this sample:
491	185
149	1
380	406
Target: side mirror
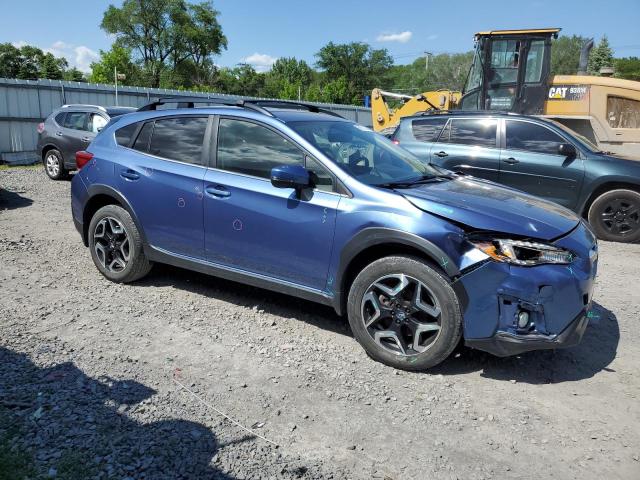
567	150
290	176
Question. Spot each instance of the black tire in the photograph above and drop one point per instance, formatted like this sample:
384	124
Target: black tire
450	317
136	264
54	165
615	216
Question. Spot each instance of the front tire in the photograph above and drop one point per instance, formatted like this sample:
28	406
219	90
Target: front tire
54	165
615	216
404	313
116	245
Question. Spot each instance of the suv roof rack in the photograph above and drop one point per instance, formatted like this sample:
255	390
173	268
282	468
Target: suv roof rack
76	105
255	105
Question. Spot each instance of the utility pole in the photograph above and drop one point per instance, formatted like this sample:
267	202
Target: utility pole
115	78
426	60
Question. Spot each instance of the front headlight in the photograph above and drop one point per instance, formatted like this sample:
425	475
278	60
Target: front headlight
520	252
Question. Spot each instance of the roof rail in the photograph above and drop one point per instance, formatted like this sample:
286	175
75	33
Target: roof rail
255	105
189	102
75	105
465	112
293	105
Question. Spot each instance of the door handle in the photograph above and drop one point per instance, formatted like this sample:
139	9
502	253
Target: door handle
511	161
441	154
218	191
85	139
58	134
129	175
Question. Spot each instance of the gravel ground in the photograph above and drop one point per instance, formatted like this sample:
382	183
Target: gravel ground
94	377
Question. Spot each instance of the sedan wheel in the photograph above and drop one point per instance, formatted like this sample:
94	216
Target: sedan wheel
615	216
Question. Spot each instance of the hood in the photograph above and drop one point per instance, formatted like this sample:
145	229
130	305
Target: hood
487	206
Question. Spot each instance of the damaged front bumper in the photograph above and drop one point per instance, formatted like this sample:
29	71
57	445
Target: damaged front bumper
554	299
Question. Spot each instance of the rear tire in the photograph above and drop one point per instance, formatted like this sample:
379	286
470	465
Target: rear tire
54	165
116	245
397	326
615	216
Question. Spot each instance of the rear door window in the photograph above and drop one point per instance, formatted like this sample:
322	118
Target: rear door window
470	131
76	121
142	142
252	149
179	139
532	137
427	130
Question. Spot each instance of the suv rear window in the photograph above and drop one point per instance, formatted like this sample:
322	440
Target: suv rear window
427	130
471	131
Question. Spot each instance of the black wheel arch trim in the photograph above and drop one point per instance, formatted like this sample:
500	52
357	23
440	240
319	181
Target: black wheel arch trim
373	236
100	189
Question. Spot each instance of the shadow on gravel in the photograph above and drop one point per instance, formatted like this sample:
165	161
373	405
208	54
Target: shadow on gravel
59	422
596	351
12	200
315	314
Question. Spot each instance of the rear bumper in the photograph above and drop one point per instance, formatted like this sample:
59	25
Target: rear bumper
504	344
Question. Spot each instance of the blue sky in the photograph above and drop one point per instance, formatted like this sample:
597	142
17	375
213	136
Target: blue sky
261	31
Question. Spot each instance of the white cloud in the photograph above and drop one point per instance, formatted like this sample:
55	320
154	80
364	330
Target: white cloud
402	37
84	57
260	61
79	56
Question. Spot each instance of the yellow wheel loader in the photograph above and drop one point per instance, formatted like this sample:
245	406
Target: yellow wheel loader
511	72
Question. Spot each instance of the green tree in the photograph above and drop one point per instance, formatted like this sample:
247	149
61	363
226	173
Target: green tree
565	54
74	75
10	60
601	56
162	34
356	66
52	67
287	77
627	68
117	58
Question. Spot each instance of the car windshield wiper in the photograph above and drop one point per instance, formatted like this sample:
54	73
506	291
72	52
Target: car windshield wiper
415	181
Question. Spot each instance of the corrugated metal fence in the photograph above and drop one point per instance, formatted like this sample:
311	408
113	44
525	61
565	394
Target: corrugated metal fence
25	103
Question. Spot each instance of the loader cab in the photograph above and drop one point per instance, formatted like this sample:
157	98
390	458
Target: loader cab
510	71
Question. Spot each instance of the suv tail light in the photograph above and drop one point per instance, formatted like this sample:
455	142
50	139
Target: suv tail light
82	158
397	142
40	127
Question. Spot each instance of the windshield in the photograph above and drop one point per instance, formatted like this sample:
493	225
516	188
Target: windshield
584	141
362	153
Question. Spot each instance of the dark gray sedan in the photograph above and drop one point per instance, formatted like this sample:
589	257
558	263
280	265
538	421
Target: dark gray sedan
535	155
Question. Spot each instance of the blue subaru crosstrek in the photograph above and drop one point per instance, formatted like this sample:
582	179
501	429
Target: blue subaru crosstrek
295	199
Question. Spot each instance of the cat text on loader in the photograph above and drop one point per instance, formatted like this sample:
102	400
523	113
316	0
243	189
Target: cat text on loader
511	72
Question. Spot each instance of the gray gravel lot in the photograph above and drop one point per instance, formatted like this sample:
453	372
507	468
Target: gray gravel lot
89	369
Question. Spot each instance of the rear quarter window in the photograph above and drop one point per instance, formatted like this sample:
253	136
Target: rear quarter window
427	130
59	118
125	134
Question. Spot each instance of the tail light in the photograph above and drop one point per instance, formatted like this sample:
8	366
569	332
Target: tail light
41	127
395	141
82	158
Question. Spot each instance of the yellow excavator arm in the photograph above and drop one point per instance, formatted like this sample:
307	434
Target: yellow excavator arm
386	119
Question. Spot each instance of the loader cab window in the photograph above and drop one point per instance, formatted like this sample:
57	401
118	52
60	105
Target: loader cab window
534	62
505	60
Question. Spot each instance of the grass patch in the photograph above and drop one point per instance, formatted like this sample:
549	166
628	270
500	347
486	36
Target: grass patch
18	167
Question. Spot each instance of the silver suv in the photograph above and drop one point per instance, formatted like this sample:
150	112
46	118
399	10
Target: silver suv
68	130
